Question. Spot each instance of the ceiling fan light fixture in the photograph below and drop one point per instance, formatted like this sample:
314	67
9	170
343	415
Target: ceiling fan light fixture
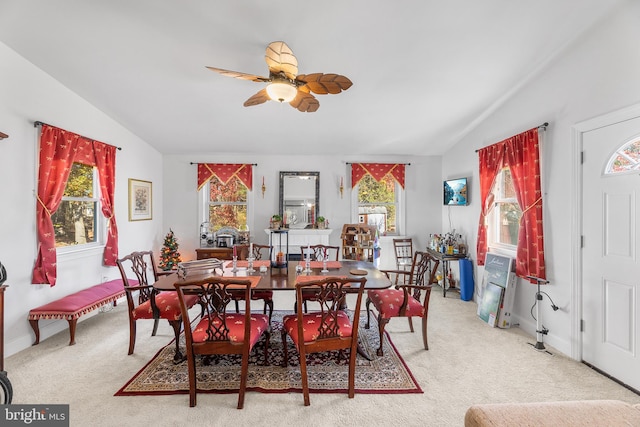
282	92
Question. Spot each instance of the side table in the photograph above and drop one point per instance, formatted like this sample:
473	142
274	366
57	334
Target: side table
444	260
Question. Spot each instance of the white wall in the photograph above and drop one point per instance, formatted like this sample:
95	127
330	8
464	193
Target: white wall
26	95
423	187
595	75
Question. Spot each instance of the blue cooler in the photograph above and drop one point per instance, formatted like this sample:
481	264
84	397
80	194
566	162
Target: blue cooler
466	279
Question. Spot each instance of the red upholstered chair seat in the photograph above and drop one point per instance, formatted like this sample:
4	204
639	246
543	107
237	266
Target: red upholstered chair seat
311	322
168	304
235	323
388	302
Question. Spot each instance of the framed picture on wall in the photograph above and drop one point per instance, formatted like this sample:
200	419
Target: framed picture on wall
140	200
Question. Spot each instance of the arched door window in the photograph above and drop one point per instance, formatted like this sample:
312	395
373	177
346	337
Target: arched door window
625	159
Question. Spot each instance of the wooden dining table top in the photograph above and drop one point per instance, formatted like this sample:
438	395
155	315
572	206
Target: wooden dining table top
285	278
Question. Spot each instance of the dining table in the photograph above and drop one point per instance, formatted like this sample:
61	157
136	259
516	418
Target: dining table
281	278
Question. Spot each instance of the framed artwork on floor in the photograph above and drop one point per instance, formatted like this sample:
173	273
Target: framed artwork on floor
140	200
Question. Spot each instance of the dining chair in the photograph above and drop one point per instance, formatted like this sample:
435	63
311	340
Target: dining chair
317	253
260	252
409	299
218	332
148	303
330	328
403	249
320	252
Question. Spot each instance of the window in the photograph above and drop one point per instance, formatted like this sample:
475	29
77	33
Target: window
504	219
77	221
227	203
378	203
625	159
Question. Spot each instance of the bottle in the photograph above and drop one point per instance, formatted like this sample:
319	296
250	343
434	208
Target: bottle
462	245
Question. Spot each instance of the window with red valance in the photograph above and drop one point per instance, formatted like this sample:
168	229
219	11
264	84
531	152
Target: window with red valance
59	149
225	187
380	194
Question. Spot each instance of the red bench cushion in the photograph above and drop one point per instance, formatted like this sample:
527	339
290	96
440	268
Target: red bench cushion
75	305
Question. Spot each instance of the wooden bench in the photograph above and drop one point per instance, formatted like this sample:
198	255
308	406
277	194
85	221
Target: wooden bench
72	306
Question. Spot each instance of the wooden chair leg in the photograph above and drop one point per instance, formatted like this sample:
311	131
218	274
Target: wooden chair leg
191	364
132	335
352	373
177	328
368	314
424	332
410	323
305	379
381	324
155	327
266	348
244	372
268	306
237	306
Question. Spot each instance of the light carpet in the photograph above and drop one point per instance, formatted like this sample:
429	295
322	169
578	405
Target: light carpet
327	372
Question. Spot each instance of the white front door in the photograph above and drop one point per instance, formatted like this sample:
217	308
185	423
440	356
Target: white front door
610	265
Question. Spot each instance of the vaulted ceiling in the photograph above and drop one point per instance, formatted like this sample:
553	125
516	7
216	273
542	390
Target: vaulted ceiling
424	72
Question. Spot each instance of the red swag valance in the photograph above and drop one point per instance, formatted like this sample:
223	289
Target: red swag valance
224	172
58	150
377	171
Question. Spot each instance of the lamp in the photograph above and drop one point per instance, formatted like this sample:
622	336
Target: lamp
341	188
264	188
283	92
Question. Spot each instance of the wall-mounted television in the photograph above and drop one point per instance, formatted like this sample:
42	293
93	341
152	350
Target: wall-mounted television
455	192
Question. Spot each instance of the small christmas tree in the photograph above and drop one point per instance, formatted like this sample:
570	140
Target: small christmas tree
169	256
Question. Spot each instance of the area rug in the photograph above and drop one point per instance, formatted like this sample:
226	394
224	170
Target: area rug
327	372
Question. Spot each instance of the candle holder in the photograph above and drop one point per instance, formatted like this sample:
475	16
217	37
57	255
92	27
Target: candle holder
250	264
324	266
234	265
307	264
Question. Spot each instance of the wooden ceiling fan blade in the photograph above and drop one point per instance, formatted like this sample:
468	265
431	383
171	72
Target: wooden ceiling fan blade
305	102
323	84
280	58
239	75
259	98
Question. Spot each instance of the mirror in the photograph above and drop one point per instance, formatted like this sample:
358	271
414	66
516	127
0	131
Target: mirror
299	198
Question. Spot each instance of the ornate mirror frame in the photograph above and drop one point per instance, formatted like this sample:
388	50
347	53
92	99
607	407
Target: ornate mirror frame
283	178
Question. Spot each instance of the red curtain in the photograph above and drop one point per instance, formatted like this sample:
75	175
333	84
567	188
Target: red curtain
521	153
224	172
377	171
58	150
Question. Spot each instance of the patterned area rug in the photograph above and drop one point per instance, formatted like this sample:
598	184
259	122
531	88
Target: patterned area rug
327	372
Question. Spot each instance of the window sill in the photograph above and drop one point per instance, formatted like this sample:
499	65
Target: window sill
503	250
74	253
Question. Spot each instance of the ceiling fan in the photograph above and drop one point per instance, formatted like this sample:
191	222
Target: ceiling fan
285	84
